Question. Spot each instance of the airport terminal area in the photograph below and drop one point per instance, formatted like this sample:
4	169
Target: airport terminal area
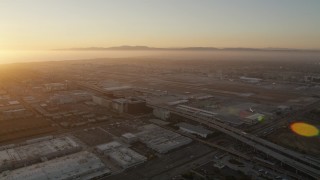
143	118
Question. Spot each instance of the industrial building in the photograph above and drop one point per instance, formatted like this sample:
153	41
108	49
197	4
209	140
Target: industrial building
196	111
218	164
173	103
35	150
312	78
13	111
129	138
82	165
159	122
207	114
101	101
118	105
126	157
161	113
192	129
120	154
160	139
66	97
108	146
250	79
117	88
130	106
55	87
253	119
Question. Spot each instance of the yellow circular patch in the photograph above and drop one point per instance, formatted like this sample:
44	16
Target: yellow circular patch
304	129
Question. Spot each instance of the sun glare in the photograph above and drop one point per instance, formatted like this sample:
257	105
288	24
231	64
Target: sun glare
304	129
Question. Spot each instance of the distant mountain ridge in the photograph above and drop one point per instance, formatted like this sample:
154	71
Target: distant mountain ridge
147	48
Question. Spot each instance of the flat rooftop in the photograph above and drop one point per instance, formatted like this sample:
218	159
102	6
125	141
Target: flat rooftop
126	157
108	146
35	149
159	122
83	164
193	128
123	156
128	135
255	116
160	139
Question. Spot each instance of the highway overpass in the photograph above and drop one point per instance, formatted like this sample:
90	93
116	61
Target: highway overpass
286	156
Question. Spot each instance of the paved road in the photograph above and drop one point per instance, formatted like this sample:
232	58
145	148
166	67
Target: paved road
291	158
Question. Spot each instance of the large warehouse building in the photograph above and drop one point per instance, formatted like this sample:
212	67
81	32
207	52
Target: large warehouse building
83	164
160	139
35	150
121	155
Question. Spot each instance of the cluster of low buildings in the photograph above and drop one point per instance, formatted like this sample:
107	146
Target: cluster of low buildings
194	129
67	97
161	140
50	87
11	108
82	165
123	105
63	157
49	158
35	150
120	154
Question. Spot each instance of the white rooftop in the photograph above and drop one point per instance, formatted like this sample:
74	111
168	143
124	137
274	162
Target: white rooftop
126	157
128	135
82	164
108	146
160	139
117	88
255	116
195	129
36	148
121	155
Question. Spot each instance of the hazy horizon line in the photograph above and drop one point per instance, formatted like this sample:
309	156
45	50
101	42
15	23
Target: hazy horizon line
194	48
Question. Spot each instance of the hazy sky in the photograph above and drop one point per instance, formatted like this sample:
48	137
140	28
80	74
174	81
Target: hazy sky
47	24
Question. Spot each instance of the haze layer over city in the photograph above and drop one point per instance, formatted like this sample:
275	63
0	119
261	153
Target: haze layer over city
176	90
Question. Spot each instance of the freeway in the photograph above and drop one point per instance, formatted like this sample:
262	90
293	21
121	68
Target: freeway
237	154
280	149
300	157
228	150
284	155
312	161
